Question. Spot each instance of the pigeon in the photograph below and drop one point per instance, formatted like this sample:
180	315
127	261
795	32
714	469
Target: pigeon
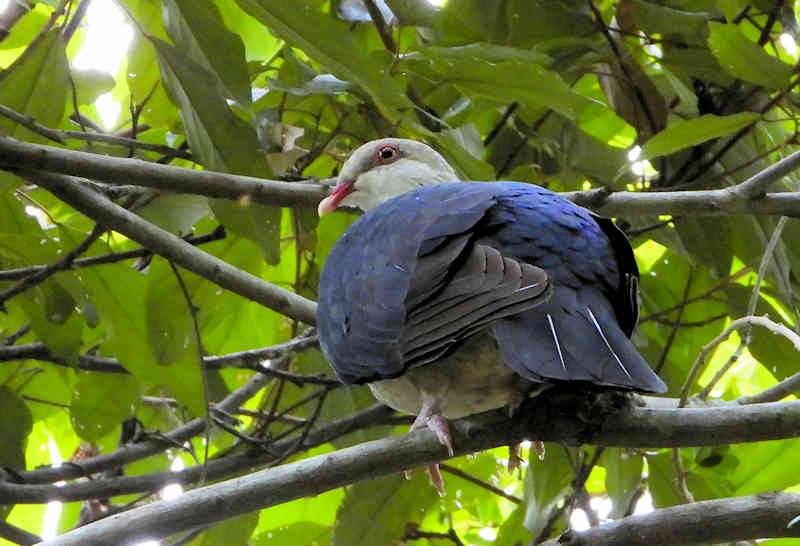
450	298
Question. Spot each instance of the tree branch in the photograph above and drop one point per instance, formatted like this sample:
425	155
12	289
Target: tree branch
14	493
723	520
113	257
15	154
737	199
247	360
558	415
134	452
111	215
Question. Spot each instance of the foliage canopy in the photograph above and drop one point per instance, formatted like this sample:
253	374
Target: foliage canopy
99	329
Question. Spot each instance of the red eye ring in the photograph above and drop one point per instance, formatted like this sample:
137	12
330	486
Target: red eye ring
386	154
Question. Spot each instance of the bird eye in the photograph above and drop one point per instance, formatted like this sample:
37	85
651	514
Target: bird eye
386	154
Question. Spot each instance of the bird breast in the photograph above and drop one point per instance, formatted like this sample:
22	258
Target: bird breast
471	380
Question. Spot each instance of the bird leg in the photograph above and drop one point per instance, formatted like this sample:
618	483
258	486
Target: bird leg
431	417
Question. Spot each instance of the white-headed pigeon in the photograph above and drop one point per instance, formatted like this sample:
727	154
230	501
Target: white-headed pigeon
453	298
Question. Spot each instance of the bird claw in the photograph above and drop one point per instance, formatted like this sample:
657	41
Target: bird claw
538	447
436	479
514	459
439	425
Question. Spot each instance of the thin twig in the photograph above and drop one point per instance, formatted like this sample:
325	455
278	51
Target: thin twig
43	274
680	476
200	355
413	532
674	332
114	257
736	325
751	308
716	288
480	483
12	339
788	386
61	136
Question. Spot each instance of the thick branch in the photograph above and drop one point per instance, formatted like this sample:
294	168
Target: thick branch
602	419
697	203
111	215
15	154
723	520
745	198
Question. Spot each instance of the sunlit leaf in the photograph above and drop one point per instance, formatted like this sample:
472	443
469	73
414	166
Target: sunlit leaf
36	87
745	59
687	133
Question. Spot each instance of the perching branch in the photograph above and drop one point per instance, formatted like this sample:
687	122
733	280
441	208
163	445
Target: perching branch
561	416
15	154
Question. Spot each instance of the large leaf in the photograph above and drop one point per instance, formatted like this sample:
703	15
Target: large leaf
376	511
305	532
94	413
36	86
301	24
546	484
232	532
119	294
196	27
223	142
15	426
623	478
745	59
687	133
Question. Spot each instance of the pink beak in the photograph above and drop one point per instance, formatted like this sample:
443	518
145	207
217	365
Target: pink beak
329	204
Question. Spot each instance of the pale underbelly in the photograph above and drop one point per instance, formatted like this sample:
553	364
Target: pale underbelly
474	379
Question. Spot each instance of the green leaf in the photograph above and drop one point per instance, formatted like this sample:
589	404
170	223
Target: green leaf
546	484
746	60
623	478
512	532
15	426
90	84
481	51
36	87
176	213
765	466
304	532
512	81
684	134
223	142
25	29
301	24
49	309
119	295
341	403
661	480
232	532
376	511
197	29
655	19
95	411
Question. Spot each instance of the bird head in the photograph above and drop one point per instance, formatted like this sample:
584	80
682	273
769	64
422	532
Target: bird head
382	169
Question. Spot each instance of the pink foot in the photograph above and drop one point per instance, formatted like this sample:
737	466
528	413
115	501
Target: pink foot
436	479
439	425
514	458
